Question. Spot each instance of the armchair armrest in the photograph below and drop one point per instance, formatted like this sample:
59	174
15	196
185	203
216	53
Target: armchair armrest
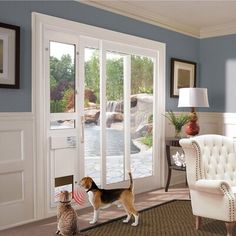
213	186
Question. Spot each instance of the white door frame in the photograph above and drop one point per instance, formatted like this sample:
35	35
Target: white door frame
146	183
40	23
53	135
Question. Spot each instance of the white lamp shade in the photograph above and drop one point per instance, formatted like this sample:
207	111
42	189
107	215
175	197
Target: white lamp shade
193	97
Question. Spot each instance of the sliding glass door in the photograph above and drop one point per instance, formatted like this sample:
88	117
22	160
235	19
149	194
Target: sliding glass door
118	109
99	96
101	112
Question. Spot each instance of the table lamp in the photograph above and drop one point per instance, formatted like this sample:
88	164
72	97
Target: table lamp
193	97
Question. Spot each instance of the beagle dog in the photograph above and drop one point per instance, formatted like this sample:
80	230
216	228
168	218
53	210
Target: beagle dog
103	198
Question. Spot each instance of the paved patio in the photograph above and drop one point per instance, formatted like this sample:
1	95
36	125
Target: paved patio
141	157
141	166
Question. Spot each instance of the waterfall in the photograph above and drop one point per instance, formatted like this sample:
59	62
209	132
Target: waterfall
111	106
111	109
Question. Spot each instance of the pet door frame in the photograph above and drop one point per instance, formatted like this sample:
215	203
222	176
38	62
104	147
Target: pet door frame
40	24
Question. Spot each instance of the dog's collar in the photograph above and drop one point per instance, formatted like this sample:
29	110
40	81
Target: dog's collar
65	201
93	186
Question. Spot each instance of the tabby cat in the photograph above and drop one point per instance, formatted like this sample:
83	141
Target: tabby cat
67	224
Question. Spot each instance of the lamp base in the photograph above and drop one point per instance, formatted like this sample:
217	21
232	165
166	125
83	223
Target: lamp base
192	128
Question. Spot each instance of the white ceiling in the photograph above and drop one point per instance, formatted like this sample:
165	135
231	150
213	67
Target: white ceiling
196	18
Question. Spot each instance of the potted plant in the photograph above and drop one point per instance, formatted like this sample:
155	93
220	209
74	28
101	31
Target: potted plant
178	121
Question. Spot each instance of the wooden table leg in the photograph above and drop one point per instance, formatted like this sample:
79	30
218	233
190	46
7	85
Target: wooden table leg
168	180
229	228
198	222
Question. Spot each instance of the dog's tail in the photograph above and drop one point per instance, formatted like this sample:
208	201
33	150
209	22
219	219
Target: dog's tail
131	182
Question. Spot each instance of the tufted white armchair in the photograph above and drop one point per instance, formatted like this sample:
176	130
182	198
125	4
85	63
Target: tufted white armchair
211	175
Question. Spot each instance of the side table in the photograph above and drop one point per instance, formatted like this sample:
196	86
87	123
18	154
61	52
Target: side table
172	142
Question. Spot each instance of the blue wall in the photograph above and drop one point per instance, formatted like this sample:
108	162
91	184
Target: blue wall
218	72
19	13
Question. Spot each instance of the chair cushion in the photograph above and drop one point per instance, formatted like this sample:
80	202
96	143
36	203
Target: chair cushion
218	157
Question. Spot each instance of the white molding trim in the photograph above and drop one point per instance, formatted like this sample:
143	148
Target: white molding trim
218	30
52	22
40	173
164	22
23	123
12	116
210	122
160	21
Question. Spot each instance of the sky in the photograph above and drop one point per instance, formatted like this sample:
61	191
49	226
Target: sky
59	49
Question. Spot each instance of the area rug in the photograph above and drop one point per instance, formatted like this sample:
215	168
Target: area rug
169	219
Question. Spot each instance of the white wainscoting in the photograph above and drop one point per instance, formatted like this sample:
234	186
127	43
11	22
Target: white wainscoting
17	158
210	123
17	199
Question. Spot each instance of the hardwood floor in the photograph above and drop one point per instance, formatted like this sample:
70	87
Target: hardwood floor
47	227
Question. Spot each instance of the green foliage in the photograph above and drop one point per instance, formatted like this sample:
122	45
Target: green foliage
53	83
145	90
86	103
150	118
62	78
177	120
62	69
142	75
148	137
57	106
147	140
114	89
68	99
92	76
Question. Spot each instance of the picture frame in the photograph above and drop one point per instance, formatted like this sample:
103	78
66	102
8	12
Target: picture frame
183	75
9	56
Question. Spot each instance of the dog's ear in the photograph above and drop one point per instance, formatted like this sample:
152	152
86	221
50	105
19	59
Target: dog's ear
87	182
83	181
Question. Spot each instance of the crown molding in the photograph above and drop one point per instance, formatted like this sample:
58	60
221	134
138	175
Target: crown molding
218	30
147	17
162	21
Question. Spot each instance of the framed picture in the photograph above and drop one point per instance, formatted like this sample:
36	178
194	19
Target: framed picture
183	75
9	56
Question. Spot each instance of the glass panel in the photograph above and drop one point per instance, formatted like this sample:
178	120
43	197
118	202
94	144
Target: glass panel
62	77
114	118
141	115
62	124
92	113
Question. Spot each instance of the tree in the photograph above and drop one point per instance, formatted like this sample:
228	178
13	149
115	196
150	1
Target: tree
115	80
63	69
62	80
114	73
92	76
142	75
